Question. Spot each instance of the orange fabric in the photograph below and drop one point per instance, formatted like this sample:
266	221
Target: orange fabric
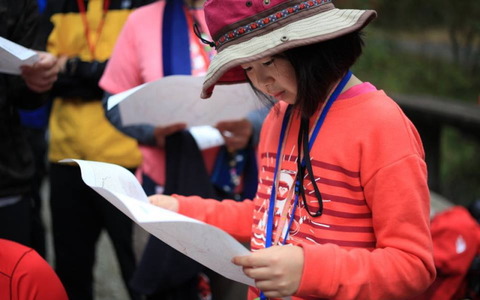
25	275
373	240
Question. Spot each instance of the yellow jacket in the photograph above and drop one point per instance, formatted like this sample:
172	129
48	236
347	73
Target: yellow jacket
78	126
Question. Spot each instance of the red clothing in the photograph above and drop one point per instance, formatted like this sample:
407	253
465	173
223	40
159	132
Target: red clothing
25	275
373	239
456	241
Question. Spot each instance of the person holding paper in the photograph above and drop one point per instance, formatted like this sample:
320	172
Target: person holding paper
355	220
82	35
147	49
41	76
28	90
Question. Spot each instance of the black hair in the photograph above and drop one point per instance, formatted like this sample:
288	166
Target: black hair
318	67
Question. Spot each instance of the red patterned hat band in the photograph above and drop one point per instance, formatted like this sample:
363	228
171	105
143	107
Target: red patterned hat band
247	30
273	17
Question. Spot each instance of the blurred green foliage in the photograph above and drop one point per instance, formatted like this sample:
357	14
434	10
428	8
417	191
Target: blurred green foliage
414	72
398	58
460	20
460	172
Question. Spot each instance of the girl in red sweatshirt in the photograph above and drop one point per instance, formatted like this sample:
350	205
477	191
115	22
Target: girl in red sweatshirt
342	206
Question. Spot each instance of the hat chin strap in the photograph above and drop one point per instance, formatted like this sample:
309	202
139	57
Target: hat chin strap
197	32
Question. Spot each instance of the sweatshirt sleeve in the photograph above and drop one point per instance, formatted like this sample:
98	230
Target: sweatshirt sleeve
394	180
234	217
34	278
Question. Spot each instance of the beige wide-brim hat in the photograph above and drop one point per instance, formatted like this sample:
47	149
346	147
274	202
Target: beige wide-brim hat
247	30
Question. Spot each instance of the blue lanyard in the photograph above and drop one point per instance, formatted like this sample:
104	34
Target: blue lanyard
318	125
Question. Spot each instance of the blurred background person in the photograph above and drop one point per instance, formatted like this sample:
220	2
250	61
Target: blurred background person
18	23
35	123
82	35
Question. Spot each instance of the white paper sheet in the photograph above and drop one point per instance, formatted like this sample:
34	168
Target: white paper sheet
206	136
204	243
12	56
176	99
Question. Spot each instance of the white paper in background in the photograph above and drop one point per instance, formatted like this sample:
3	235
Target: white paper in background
206	136
13	55
204	243
117	98
176	99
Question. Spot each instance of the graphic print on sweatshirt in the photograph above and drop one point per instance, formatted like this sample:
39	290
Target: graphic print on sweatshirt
346	219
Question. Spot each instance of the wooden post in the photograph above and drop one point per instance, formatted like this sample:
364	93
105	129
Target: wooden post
430	132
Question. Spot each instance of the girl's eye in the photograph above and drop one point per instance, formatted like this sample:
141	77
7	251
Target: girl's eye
268	63
246	69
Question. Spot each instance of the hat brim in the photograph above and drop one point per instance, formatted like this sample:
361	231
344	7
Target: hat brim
225	66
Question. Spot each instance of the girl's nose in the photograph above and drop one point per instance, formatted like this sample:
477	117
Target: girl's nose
265	78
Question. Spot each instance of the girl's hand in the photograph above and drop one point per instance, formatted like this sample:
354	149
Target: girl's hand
167	202
277	270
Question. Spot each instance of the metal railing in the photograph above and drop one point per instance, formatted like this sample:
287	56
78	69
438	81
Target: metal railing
431	115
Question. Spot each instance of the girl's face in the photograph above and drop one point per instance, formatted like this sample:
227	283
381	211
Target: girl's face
273	76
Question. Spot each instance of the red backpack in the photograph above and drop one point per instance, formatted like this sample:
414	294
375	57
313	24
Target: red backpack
456	244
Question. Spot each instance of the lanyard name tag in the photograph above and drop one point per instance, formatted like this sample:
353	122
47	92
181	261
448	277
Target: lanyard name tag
318	125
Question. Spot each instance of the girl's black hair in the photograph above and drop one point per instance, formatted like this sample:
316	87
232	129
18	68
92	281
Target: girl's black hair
318	67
